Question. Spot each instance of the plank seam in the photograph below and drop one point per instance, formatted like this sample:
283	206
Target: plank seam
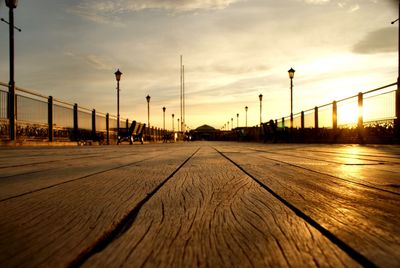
125	224
330	175
352	253
76	179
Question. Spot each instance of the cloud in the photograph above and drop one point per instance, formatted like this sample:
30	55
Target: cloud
95	61
316	1
379	41
354	8
105	11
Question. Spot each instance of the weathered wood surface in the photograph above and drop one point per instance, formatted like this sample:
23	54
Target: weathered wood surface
200	205
212	215
366	218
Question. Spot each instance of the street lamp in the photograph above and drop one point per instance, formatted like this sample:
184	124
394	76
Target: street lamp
291	75
397	121
11	85
163	108
232	123
237	120
173	128
148	110
260	97
118	78
246	108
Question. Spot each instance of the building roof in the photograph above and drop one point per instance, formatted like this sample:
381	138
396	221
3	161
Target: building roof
205	128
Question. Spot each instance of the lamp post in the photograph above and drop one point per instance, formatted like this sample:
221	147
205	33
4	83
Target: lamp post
178	125
237	120
11	85
118	78
246	108
291	75
148	110
260	97
173	128
397	121
163	108
232	123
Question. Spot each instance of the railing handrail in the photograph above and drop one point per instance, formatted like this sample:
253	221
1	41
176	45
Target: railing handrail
348	98
34	93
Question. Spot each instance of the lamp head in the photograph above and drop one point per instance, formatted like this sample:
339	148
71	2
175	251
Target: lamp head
148	98
260	97
291	73
12	3
118	75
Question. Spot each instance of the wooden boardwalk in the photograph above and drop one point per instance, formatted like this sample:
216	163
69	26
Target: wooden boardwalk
200	205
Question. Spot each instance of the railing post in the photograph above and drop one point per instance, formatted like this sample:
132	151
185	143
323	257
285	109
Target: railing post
360	122
94	123
283	122
397	120
76	122
108	128
316	117
334	115
302	120
127	123
50	118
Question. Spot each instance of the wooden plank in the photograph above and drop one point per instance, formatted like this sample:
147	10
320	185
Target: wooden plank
53	226
385	153
30	178
210	214
350	158
367	219
383	176
16	157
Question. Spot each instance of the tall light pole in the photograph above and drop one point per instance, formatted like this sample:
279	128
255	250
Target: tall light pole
260	97
397	121
228	125
237	120
246	108
163	108
232	123
148	111
173	128
291	75
118	77
11	85
178	126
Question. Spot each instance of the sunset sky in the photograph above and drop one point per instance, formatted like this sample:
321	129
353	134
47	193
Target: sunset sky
233	50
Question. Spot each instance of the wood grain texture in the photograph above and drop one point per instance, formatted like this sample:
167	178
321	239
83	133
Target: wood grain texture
210	214
59	204
365	218
53	226
33	177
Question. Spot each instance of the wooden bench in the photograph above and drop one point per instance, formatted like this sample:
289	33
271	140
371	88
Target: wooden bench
127	133
137	134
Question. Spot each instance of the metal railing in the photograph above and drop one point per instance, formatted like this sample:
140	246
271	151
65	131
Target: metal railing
40	117
374	107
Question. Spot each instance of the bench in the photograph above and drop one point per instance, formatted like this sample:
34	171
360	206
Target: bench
127	133
137	134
